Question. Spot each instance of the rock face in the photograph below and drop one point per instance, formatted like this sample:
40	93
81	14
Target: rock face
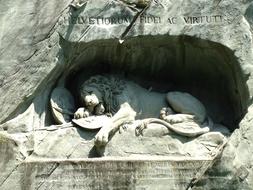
157	140
202	47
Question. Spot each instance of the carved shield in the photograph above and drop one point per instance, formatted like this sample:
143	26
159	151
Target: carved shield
62	105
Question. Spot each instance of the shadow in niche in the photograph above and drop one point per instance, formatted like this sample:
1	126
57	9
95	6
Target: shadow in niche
205	69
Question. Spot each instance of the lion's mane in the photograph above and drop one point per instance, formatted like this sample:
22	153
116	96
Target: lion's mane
109	86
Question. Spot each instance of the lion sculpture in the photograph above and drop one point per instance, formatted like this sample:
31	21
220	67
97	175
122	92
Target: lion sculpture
124	102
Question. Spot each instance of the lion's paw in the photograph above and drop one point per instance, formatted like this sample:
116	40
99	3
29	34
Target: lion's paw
173	119
179	118
81	113
101	139
165	112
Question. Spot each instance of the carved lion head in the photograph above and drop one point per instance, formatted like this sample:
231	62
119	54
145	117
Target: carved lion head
98	94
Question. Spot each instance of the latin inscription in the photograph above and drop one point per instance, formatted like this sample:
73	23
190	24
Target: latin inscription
98	20
203	19
120	175
145	19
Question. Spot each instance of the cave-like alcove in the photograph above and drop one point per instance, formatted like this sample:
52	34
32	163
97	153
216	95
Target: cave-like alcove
205	69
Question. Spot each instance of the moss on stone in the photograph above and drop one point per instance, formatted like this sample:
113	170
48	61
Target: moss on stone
4	139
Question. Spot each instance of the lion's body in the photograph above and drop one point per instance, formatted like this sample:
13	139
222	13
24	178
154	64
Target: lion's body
127	101
145	103
116	91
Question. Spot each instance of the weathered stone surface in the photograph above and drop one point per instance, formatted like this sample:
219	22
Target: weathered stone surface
13	150
43	40
63	143
29	50
236	161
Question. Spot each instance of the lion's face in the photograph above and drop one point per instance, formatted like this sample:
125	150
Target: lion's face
91	97
99	94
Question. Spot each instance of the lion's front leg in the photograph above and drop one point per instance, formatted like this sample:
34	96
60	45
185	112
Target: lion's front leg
102	136
125	115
